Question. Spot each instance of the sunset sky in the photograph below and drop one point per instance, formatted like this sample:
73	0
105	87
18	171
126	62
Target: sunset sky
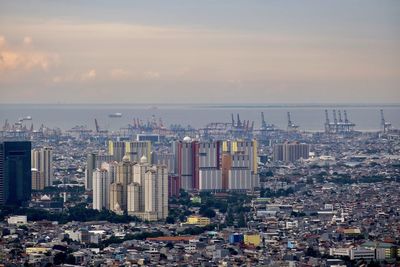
217	51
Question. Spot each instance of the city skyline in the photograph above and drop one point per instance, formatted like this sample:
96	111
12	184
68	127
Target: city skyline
200	133
208	52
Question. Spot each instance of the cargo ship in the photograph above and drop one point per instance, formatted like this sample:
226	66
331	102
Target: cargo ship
115	115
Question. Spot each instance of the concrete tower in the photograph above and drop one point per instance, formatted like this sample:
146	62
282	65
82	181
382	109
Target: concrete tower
124	176
90	167
156	191
134	191
116	197
42	160
139	171
101	186
37	180
15	172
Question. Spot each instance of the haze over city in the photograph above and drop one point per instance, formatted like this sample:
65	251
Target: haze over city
200	133
199	52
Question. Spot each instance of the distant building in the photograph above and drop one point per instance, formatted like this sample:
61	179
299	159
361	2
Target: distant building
237	173
93	162
148	194
383	251
235	238
198	220
124	176
137	149
174	185
216	165
139	172
184	153
117	149
15	172
17	220
245	148
42	160
252	239
137	188
156	191
134	192
192	158
101	187
210	179
37	180
291	152
46	203
167	159
154	138
116	197
362	253
90	167
133	149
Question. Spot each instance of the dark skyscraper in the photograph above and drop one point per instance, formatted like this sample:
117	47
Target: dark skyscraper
15	172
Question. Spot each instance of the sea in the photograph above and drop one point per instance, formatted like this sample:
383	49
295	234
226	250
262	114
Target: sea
309	117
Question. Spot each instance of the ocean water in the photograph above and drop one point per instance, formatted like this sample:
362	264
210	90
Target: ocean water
308	117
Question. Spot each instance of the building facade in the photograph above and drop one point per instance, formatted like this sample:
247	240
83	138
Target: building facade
101	188
291	152
42	160
37	179
15	172
133	149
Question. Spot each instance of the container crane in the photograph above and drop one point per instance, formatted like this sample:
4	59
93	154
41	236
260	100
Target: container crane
291	126
384	124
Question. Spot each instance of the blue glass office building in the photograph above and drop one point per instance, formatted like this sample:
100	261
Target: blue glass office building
15	172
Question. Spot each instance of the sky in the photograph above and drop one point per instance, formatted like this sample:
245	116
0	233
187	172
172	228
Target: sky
208	51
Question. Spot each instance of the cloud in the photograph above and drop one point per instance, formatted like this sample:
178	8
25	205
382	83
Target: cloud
18	59
118	74
12	61
75	77
2	41
27	40
89	75
57	79
151	75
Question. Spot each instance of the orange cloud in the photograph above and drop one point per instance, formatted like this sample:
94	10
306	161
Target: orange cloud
20	60
119	74
151	75
75	77
27	40
2	41
89	75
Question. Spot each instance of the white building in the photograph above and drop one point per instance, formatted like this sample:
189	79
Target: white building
42	160
134	192
210	179
156	191
101	187
17	220
240	179
354	253
139	171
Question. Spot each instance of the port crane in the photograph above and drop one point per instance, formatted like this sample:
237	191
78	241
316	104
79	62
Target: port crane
291	126
98	130
338	125
384	124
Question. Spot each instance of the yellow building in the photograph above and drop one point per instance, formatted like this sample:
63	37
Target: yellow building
37	250
252	239
243	147
197	220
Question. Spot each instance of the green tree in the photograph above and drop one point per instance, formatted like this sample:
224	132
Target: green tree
170	220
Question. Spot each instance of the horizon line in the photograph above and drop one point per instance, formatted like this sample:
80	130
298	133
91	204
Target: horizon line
215	104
